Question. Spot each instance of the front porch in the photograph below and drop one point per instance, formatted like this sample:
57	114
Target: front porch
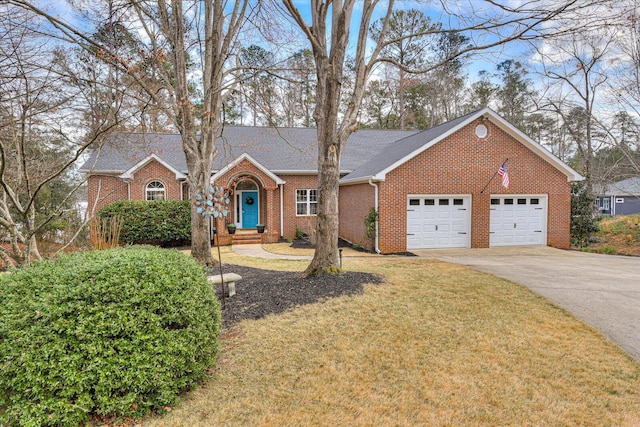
254	201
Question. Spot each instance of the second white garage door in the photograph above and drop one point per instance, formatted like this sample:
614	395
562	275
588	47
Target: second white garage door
518	220
438	222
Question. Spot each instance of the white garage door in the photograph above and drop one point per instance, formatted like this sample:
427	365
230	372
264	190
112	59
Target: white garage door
518	220
438	222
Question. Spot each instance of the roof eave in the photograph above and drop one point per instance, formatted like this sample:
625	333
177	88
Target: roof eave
434	141
547	155
128	174
100	172
363	180
245	156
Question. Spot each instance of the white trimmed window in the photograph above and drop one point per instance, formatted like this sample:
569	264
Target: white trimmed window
155	191
306	202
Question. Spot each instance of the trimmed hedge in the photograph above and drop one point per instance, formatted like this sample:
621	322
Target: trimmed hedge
158	222
117	333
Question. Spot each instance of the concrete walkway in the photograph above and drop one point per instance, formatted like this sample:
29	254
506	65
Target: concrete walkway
602	290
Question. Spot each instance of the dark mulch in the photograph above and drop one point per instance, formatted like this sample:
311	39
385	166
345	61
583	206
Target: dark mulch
264	292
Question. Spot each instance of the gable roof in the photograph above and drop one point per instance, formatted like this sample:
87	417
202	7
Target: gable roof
404	150
280	150
251	160
128	174
626	187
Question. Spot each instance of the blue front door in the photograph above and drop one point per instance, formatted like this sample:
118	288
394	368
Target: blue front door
250	209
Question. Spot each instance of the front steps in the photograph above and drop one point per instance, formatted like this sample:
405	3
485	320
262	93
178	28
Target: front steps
246	237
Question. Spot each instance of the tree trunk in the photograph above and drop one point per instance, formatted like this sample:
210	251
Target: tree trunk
401	99
325	258
200	243
199	165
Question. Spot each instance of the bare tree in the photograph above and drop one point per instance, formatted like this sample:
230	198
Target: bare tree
175	36
38	141
576	71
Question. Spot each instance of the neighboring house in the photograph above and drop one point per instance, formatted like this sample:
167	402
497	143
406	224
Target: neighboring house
620	198
427	186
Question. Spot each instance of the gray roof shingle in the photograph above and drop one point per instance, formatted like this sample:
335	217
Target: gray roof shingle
277	149
626	187
395	152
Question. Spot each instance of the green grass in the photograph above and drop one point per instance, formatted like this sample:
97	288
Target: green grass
436	344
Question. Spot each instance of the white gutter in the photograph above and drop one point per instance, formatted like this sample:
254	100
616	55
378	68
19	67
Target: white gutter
281	211
375	206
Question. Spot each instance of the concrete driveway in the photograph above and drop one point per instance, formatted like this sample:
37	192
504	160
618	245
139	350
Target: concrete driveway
603	290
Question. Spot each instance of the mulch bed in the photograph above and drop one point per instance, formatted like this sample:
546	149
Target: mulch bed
264	292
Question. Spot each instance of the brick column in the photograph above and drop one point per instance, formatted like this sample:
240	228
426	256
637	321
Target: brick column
271	212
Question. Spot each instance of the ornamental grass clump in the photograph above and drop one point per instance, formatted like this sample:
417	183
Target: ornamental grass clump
114	333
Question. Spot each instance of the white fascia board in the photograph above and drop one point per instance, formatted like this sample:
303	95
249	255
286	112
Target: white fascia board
128	174
296	172
100	172
505	126
362	180
382	174
245	156
542	152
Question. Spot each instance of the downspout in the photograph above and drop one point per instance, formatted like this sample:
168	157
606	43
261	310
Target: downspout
375	206
281	212
128	189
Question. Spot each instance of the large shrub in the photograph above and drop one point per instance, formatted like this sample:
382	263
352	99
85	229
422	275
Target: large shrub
159	222
583	223
117	332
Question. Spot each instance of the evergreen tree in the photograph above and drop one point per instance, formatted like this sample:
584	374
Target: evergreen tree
582	219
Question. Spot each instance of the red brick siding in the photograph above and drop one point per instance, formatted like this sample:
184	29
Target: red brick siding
154	171
463	164
291	220
113	188
104	189
355	203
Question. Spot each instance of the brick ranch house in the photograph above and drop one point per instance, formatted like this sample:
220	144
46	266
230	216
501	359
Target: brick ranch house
428	186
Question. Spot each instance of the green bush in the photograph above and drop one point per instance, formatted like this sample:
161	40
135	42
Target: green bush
370	221
159	222
118	332
582	219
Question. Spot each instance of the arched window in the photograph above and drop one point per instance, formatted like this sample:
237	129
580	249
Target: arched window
246	185
156	191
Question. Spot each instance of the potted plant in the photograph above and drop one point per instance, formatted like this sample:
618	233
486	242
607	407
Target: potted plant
231	228
260	228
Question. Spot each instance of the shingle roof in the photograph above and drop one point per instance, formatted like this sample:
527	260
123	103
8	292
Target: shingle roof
278	149
368	154
626	187
399	150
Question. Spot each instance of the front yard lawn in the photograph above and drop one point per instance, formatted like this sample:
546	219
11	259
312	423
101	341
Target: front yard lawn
434	344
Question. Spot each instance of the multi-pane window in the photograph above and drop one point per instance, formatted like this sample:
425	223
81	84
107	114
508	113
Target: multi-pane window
156	191
306	202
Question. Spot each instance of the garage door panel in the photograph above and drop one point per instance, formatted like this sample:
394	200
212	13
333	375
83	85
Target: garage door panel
438	221
518	220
